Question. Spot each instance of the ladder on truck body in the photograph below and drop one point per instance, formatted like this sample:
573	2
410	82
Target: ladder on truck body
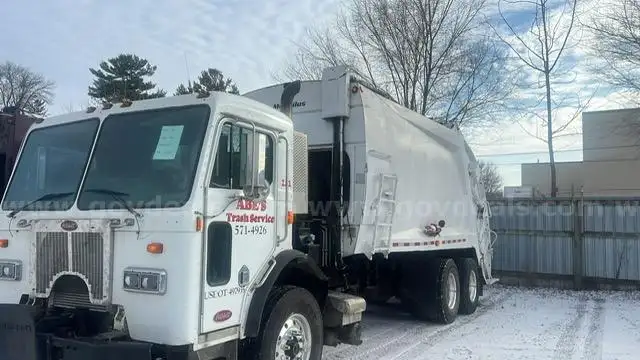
385	212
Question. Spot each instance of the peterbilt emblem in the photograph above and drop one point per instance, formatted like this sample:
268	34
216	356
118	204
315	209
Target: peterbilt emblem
69	225
222	316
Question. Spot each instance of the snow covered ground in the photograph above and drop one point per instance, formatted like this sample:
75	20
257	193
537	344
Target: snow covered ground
511	323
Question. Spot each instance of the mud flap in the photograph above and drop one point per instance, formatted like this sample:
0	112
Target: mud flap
17	332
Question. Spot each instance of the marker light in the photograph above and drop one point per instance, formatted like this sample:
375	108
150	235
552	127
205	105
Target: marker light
155	248
199	223
4	243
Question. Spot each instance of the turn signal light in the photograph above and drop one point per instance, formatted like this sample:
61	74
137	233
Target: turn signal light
4	243
290	217
199	223
155	248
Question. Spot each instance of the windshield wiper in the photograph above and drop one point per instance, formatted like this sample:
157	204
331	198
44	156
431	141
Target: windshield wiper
45	197
117	195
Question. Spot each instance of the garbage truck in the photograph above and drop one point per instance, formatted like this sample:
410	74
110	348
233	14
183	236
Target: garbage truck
219	226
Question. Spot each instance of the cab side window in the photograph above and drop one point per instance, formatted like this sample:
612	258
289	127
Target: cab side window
236	161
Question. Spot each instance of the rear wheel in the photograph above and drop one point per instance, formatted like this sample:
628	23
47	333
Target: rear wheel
292	328
437	299
470	286
447	293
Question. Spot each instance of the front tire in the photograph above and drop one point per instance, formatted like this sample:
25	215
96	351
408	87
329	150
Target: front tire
292	328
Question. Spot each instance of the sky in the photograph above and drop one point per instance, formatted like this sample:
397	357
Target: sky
249	40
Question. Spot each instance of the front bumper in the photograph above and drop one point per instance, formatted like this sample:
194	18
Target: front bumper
55	348
19	340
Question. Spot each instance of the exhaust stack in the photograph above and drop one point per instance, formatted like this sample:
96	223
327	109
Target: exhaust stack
291	89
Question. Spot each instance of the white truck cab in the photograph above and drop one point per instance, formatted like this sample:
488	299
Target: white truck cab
150	228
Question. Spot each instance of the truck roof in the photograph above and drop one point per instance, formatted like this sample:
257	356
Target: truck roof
220	100
309	100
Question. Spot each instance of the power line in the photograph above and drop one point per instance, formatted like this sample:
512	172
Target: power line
529	153
563	150
564	162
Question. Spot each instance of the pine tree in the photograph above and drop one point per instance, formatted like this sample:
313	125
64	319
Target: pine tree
123	77
209	80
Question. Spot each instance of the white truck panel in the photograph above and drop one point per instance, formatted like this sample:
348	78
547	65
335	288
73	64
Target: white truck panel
307	113
335	92
433	167
147	315
432	170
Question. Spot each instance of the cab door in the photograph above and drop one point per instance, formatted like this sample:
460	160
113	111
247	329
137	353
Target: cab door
240	234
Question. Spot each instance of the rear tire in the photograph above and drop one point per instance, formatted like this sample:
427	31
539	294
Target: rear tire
447	293
438	299
469	286
292	325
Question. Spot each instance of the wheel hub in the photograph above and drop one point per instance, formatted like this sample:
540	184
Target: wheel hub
294	339
473	286
293	345
452	291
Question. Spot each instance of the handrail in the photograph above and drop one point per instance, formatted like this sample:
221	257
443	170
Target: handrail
286	191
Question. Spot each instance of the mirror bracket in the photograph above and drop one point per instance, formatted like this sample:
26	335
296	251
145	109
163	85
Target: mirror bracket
255	192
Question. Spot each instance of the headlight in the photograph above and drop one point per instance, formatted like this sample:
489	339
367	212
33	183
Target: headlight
153	281
10	270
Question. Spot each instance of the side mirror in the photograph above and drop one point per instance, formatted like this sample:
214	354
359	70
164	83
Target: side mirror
259	191
256	192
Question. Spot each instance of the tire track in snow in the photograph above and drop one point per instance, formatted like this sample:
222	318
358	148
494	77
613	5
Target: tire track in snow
373	344
421	345
635	325
419	334
379	322
565	347
593	343
367	338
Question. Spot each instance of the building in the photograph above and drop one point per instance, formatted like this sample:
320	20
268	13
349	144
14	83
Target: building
610	165
13	128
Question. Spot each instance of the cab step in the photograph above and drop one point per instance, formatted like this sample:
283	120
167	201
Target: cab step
342	316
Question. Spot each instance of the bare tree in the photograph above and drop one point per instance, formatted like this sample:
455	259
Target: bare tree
615	48
491	179
428	55
541	50
23	90
616	44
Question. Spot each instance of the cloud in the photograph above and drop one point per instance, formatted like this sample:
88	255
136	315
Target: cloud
246	39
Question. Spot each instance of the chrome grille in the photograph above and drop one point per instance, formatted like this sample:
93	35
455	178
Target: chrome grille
85	257
51	257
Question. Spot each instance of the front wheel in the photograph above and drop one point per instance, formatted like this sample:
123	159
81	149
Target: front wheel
293	327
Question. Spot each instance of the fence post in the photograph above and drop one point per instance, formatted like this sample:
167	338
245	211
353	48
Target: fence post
578	248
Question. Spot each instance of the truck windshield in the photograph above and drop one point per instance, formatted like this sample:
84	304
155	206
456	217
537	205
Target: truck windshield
145	159
50	168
